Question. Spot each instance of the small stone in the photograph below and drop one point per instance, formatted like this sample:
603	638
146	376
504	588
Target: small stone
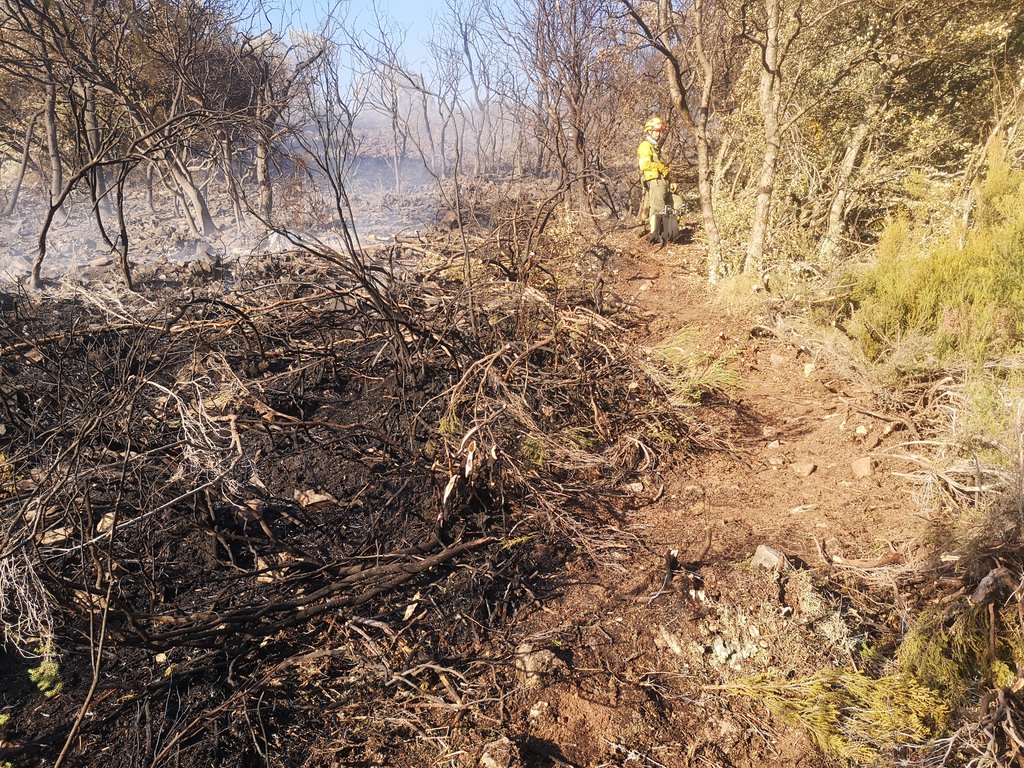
769	558
634	487
721	653
767	432
862	468
100	261
536	665
501	753
778	360
803	468
776	461
541	710
666	639
774	445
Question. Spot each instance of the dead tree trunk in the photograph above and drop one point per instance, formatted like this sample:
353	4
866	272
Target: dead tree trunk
200	218
16	189
52	141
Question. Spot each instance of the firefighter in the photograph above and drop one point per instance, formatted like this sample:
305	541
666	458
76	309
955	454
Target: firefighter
654	175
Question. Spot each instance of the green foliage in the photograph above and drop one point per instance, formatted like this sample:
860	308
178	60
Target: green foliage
851	716
6	477
953	294
946	659
953	655
47	677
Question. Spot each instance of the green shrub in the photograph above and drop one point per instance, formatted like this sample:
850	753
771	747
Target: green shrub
953	654
850	715
47	677
958	288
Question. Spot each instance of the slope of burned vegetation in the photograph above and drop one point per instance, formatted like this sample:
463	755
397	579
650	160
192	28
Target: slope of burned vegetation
287	515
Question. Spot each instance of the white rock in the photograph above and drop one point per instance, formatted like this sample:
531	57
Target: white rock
535	665
501	753
803	468
770	558
862	468
668	640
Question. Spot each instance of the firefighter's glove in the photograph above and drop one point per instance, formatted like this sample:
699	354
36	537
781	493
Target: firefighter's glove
663	170
672	187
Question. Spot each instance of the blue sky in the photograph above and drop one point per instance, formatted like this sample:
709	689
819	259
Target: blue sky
415	17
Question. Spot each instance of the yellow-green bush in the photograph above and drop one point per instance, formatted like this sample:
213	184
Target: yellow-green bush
47	677
953	654
6	476
955	293
691	373
946	660
850	715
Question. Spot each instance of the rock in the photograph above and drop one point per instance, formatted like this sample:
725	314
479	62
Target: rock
100	261
500	753
721	653
776	461
634	487
769	558
778	360
55	536
541	710
862	467
665	639
768	432
536	665
803	468
774	445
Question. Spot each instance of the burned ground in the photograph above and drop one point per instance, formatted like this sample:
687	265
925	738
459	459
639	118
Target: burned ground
312	514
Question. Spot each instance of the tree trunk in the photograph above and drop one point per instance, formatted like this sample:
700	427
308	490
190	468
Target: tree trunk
830	245
716	266
93	140
122	226
696	122
770	96
231	187
52	142
16	190
194	198
263	176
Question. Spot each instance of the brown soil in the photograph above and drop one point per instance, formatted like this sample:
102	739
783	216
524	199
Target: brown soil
637	659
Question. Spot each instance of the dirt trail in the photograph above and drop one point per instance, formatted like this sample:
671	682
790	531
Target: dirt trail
621	670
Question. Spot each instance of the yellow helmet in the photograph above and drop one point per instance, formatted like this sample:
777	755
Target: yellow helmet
654	124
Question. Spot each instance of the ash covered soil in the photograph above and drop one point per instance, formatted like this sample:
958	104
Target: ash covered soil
393	539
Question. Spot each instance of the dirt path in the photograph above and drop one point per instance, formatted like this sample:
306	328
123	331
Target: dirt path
621	671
